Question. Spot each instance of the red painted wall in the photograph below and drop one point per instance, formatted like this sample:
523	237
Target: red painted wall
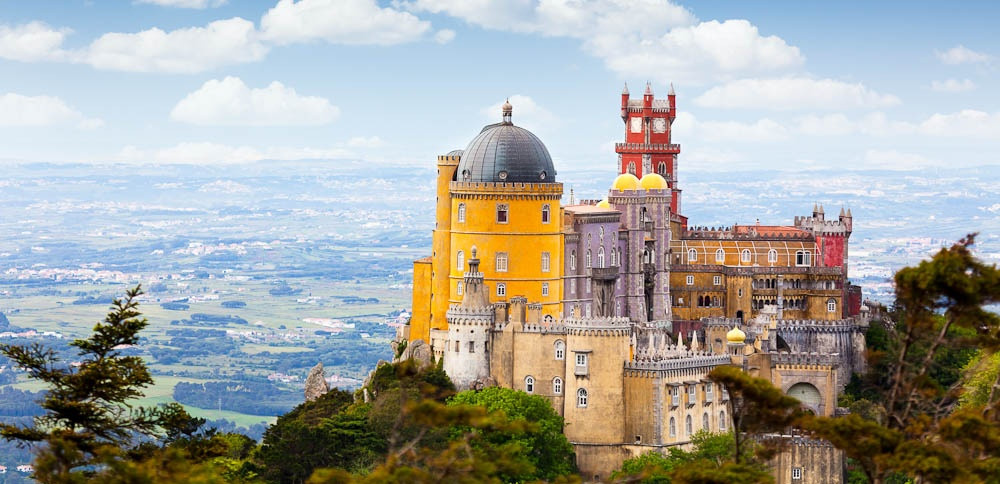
833	250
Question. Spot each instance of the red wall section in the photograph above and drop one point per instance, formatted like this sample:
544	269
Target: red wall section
833	250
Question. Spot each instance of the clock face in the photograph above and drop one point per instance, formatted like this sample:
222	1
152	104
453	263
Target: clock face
636	125
660	125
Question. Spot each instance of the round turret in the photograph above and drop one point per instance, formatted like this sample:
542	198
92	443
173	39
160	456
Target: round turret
626	181
653	181
604	204
506	153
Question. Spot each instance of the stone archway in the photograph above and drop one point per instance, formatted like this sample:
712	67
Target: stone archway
809	395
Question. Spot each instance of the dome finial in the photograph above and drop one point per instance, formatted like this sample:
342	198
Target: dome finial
508	109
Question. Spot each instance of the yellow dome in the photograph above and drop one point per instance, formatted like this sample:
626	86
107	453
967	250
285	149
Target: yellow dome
625	181
603	204
653	181
736	336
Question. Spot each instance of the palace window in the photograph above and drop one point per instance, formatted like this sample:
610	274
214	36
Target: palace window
472	346
661	168
460	260
458	289
717	280
772	256
722	421
673	427
631	167
600	257
560	348
704	421
545	289
587	260
557	386
581	398
692	255
501	262
720	256
618	309
529	384
687	425
709	392
546	212
572	287
745	256
572	260
831	305
803	258
692	394
581	359
461	213
797	473
458	346
689	280
501	289
545	261
502	212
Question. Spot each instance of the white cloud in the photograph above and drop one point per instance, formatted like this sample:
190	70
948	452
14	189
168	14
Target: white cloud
829	125
444	36
762	131
639	38
895	160
526	112
965	123
221	154
32	42
793	94
953	85
962	55
18	110
365	142
351	22
199	4
187	50
230	102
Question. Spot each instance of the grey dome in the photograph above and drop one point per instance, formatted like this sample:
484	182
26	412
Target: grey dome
506	153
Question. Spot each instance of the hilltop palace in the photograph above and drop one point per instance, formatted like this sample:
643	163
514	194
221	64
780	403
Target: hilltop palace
615	310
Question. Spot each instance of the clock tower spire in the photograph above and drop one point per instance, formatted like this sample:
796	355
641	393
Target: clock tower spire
647	147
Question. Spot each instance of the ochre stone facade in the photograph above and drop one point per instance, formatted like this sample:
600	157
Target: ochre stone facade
589	304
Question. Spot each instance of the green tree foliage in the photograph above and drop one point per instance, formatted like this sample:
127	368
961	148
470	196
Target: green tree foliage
757	408
545	445
912	425
710	460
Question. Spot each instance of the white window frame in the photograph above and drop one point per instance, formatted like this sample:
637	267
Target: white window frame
772	256
459	288
582	398
546	262
560	349
705	421
557	386
722	420
501	289
803	258
581	359
572	287
545	289
720	256
501	262
572	260
546	213
796	473
460	260
688	427
831	305
461	213
716	280
587	260
529	384
600	257
692	255
689	280
503	213
746	256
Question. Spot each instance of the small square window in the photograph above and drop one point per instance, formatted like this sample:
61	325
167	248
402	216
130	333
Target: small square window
689	280
581	359
545	289
502	213
797	473
717	280
501	289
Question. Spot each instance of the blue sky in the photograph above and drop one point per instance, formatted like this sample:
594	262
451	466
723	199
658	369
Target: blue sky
768	85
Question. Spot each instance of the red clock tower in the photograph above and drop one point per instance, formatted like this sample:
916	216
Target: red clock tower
647	147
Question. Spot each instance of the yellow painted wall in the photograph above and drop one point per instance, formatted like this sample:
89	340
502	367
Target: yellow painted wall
421	315
441	243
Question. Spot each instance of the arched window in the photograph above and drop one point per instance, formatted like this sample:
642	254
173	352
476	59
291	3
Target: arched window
692	255
687	425
600	257
581	398
831	305
772	256
545	289
461	213
572	260
631	167
720	256
546	213
673	427
502	212
529	384
557	386
704	421
501	262
722	421
587	261
501	289
745	256
560	348
459	288
460	261
661	168
545	261
803	258
715	301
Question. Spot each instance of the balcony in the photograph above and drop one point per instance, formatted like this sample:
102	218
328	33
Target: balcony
640	148
581	370
604	273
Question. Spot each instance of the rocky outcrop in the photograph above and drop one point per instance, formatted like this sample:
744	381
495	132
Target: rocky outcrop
316	384
419	352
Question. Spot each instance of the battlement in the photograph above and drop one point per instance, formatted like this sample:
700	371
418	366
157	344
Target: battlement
542	328
794	439
706	233
549	190
816	325
482	316
448	159
698	361
799	360
608	326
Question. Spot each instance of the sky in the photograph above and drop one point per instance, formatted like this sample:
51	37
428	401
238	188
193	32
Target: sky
760	84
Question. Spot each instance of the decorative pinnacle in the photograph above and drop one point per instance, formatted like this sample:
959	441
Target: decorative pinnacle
507	109
625	91
649	89
671	93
